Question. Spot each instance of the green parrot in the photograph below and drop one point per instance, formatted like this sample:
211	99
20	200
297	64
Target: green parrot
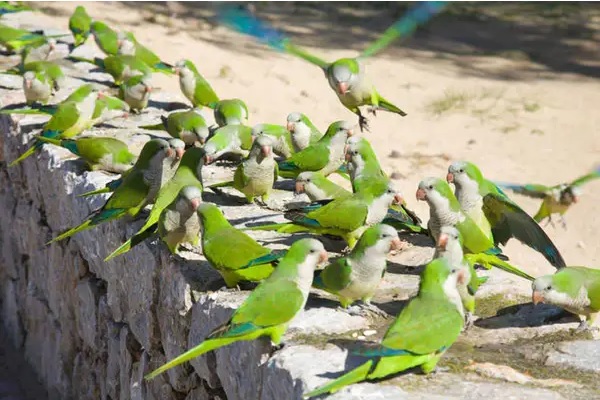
189	126
80	25
304	133
70	119
255	176
249	262
38	52
179	223
135	91
100	153
108	108
325	156
556	199
347	217
280	137
15	39
188	173
139	188
193	85
228	139
576	289
9	7
38	87
496	215
230	112
269	308
51	71
357	275
128	45
419	336
105	37
445	210
317	187
120	67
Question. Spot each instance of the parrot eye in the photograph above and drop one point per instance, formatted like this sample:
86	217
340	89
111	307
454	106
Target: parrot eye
313	251
548	287
307	179
454	271
355	152
430	187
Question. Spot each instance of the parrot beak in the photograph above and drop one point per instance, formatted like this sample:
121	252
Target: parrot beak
207	159
195	204
291	127
202	140
176	71
342	87
101	95
575	199
125	114
179	153
350	132
442	241
461	277
323	257
28	83
266	150
537	298
421	194
450	177
398	199
396	244
348	155
147	89
299	188
170	152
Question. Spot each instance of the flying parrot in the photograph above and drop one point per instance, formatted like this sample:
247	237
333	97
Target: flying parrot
179	223
189	126
304	133
280	137
193	85
317	187
228	139
80	25
136	91
230	112
269	308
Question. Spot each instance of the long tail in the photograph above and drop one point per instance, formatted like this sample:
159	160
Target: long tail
32	149
37	110
284	227
105	189
83	59
387	106
132	242
358	374
204	347
488	261
103	216
155	127
164	68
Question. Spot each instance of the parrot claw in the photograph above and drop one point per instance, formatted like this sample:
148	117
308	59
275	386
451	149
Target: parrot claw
563	222
439	370
370	308
363	123
236	288
469	321
278	347
372	110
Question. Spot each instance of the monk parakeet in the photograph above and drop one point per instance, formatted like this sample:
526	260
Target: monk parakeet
445	210
325	156
70	119
15	39
249	262
347	217
37	86
9	7
105	37
193	85
38	52
139	188
228	139
120	67
317	187
108	108
357	275
556	199
495	214
189	126
576	289
419	336
136	91
179	223
302	130
188	174
80	25
230	112
255	176
280	137
128	45
51	71
269	308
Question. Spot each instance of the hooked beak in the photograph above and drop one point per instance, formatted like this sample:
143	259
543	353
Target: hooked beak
396	244
147	89
350	132
176	71
101	95
537	298
202	140
421	194
348	155
207	159
291	127
299	188
28	84
575	199
266	150
342	87
398	199
461	278
179	153
125	114
170	152
442	241
450	177
195	204
323	257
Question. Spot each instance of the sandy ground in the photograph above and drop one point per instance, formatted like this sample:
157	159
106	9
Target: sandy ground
515	92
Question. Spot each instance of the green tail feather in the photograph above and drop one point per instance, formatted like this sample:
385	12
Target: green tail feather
101	217
25	155
43	110
221	184
157	127
132	242
489	261
283	227
85	225
387	106
358	374
163	67
105	189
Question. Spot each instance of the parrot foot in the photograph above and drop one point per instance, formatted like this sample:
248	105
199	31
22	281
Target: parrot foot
563	222
236	288
439	370
469	321
278	347
584	326
372	110
363	123
371	308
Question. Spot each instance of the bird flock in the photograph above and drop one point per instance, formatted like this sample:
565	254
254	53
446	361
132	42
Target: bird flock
468	224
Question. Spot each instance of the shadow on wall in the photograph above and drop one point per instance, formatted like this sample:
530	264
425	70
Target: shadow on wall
556	37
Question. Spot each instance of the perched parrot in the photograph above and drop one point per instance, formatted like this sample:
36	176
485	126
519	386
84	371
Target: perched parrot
280	137
108	108
496	215
37	86
325	156
52	71
105	37
193	85
15	39
357	275
80	25
317	187
120	67
70	119
38	52
136	91
255	176
445	210
230	112
302	130
188	173
139	188
419	336
576	289
347	217
189	126
556	199
269	308
179	223
100	153
249	262
128	45
228	139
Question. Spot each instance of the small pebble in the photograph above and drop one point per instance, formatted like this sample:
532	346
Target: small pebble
471	141
361	337
369	332
354	335
581	245
397	175
395	154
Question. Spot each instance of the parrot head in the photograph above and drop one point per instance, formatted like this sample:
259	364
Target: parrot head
307	181
190	197
392	195
28	79
436	192
382	238
308	253
342	75
262	148
155	148
561	289
178	147
340	127
210	149
139	87
126	44
464	175
185	68
293	120
570	195
439	275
